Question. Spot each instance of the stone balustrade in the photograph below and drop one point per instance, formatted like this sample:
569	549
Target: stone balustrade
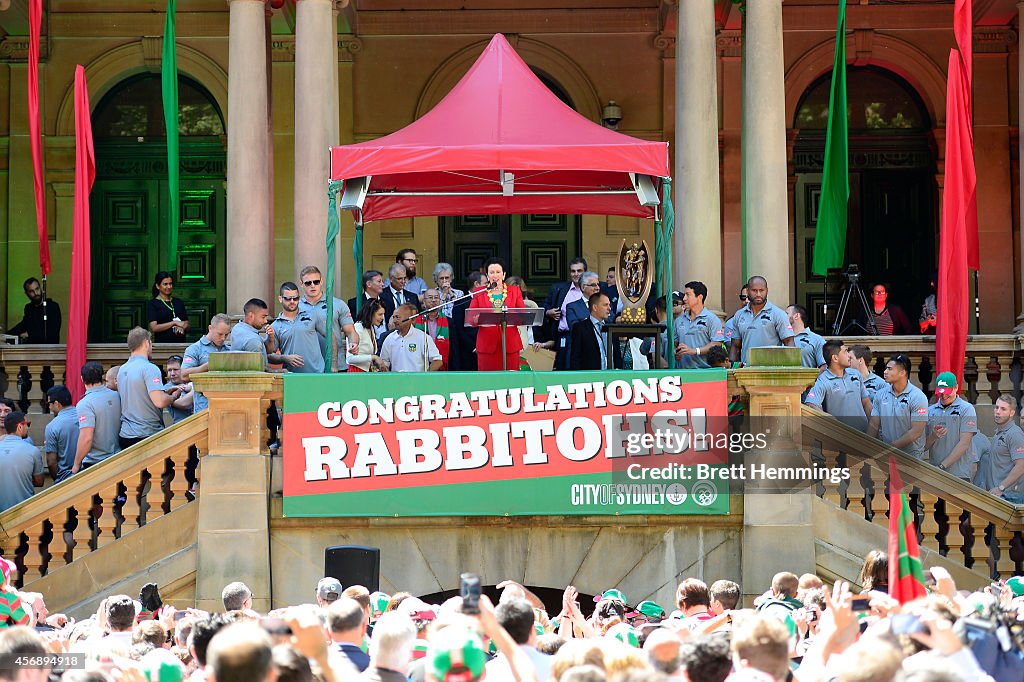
105	502
958	520
27	371
993	365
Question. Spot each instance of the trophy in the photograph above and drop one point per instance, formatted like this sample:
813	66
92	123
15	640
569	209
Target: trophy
634	266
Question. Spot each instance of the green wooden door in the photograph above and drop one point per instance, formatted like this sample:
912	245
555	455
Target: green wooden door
537	247
130	236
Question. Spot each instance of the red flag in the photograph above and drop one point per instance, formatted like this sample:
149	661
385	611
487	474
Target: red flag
81	258
906	574
35	19
958	233
962	29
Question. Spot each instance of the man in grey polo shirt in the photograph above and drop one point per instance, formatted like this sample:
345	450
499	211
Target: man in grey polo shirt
298	334
860	360
811	345
839	389
759	323
245	336
197	356
899	412
61	433
952	423
140	384
21	467
314	300
698	330
99	419
1006	457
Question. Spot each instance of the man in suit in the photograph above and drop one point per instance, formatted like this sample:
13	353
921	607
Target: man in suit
589	349
395	294
373	285
462	355
556	325
589	284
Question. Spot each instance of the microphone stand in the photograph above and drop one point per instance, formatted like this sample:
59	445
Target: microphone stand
438	307
423	313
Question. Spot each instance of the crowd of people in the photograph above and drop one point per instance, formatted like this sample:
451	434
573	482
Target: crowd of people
798	629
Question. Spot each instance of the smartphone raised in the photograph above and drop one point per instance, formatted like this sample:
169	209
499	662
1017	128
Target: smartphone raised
469	589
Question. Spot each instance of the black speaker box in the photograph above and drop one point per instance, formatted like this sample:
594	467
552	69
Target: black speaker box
353	565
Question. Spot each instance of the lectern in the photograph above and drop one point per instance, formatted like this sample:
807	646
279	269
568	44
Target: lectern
504	318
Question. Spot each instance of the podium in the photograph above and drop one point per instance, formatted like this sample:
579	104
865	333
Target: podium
504	318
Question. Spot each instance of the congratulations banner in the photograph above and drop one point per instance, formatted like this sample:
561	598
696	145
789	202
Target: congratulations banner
515	443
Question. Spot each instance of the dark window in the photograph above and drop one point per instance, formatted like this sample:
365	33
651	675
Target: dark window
135	109
876	100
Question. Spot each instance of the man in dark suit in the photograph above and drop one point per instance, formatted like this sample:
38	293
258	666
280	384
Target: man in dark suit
373	285
575	311
395	294
462	342
589	342
556	324
610	289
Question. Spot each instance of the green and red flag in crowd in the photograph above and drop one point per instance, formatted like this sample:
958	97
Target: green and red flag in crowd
958	231
169	87
81	248
35	19
830	233
906	574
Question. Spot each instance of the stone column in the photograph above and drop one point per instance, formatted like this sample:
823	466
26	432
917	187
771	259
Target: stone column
233	528
765	216
1020	142
772	520
699	233
316	125
250	242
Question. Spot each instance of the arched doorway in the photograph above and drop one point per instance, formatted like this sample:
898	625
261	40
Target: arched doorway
537	247
893	215
130	199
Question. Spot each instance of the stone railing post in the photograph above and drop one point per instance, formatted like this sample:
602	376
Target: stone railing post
778	534
234	507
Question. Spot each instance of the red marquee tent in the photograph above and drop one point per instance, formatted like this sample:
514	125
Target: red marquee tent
499	143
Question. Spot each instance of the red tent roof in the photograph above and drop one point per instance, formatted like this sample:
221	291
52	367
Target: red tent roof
501	118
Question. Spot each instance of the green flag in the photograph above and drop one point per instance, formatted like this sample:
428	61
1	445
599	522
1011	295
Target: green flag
169	84
830	237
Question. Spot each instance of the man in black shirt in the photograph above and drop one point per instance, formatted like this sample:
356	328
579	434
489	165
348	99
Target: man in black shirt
32	328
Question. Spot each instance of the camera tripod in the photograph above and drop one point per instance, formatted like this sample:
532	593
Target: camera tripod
851	289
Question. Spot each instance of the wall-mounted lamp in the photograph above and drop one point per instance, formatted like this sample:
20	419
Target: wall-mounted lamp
611	115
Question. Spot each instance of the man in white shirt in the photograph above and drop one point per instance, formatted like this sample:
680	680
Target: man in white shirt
409	349
517	617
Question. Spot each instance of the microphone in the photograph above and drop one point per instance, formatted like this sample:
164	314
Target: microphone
492	285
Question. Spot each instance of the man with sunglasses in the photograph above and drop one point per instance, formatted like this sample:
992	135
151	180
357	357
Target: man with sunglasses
298	334
899	412
314	301
21	466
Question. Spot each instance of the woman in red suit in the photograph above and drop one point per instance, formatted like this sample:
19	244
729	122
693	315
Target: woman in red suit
488	339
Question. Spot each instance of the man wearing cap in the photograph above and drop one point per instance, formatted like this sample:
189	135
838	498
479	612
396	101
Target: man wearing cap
21	465
952	423
646	612
12	611
1006	457
697	330
328	590
839	390
759	323
346	625
899	412
456	654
